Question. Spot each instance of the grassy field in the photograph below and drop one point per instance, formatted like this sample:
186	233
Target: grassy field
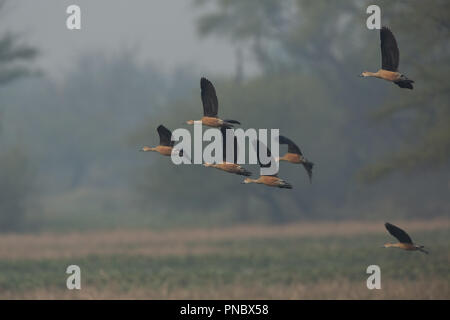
302	261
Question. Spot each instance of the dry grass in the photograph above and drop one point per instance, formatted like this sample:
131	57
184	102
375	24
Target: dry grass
323	260
182	242
336	289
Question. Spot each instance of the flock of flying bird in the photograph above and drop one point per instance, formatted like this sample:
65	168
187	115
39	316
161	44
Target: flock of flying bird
389	72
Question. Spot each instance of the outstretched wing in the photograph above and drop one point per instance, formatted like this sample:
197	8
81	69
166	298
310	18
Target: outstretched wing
209	98
165	136
390	56
224	144
398	233
292	147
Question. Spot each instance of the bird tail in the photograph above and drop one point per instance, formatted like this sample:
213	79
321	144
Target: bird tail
421	249
232	121
244	172
309	166
404	82
285	185
229	123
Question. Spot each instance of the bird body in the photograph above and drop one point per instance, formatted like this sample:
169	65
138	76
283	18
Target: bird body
271	181
292	158
164	150
405	241
384	74
294	155
229	167
404	246
268	180
166	144
390	59
211	108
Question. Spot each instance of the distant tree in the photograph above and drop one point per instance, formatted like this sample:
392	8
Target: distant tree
424	56
320	37
16	176
283	34
310	54
253	23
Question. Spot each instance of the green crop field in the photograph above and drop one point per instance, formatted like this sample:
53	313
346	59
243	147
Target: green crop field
302	261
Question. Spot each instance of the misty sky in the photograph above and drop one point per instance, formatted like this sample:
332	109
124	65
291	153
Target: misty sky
163	32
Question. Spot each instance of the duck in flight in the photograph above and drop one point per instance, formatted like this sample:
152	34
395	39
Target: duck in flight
390	58
294	155
166	144
210	108
231	167
405	241
268	180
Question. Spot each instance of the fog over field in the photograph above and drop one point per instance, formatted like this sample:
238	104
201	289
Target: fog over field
76	106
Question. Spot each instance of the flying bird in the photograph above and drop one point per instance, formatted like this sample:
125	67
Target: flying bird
294	155
210	108
231	167
390	58
405	241
268	180
166	144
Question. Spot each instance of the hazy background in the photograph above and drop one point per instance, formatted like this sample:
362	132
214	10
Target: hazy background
76	105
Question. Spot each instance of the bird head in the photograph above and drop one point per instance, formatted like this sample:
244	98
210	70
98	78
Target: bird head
145	149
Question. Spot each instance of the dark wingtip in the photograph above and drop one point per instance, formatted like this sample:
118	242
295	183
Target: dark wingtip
309	167
204	82
232	121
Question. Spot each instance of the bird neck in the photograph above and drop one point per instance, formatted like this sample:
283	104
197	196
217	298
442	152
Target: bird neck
395	245
373	74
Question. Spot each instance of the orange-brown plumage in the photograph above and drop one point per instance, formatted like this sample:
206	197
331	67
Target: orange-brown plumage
390	60
294	155
268	180
405	241
166	144
211	107
230	167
